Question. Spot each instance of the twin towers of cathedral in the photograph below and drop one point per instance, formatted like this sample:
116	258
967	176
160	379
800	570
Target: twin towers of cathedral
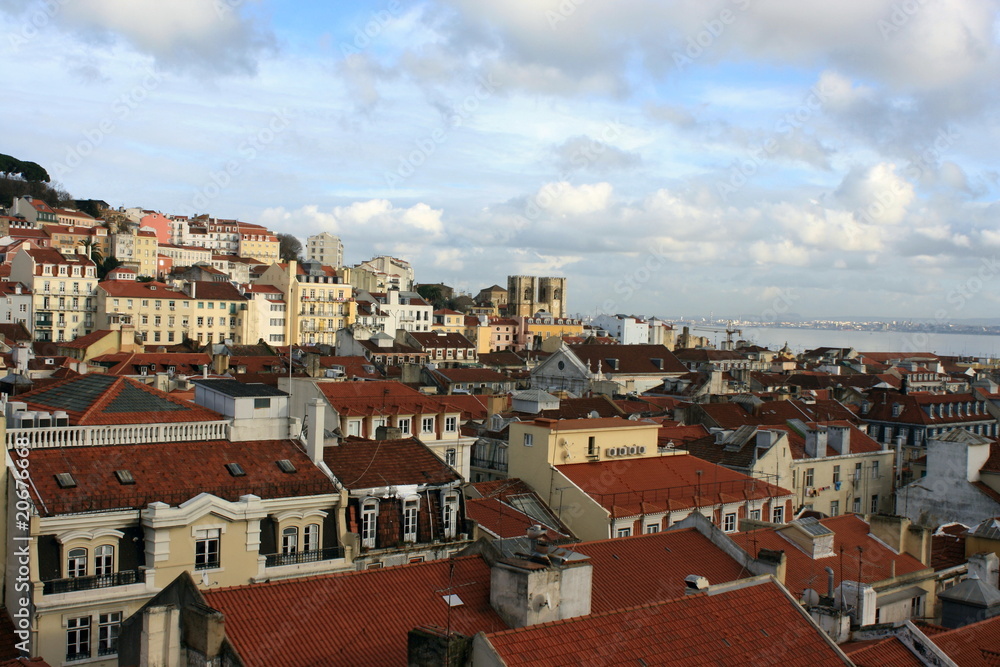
526	295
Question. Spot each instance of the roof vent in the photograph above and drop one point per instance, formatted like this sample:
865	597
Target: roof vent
695	582
124	477
286	466
235	469
65	480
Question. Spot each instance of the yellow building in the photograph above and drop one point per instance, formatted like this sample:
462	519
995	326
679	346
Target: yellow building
72	240
63	289
533	331
146	252
208	312
449	321
318	302
257	242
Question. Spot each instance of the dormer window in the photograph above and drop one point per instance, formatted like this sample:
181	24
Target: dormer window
410	508
896	409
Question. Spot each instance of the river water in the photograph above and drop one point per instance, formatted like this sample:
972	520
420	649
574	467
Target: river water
871	341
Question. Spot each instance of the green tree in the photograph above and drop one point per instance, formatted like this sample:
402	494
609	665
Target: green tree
107	266
289	248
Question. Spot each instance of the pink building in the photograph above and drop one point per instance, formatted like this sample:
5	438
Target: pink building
159	222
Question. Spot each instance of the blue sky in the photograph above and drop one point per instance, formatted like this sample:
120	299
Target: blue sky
741	157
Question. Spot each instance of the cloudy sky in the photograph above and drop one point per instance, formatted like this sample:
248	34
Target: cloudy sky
740	157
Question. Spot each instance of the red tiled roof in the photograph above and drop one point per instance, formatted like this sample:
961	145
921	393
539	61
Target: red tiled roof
632	359
471	375
96	399
752	625
363	464
885	653
502	520
150	290
372	398
948	546
355	618
86	341
851	531
170	472
629	487
623	565
973	644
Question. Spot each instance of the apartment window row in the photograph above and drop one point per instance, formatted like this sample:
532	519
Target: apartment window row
411	518
79	635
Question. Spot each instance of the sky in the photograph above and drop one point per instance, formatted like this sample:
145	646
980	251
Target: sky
741	158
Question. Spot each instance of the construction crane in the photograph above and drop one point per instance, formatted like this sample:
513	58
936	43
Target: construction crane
729	330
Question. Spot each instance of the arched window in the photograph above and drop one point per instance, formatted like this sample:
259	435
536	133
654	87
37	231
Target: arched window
76	565
310	538
527	294
369	514
289	540
104	560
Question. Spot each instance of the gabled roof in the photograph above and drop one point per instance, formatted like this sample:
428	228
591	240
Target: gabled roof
366	464
632	359
96	399
453	375
355	618
83	342
170	472
434	339
14	332
744	625
352	399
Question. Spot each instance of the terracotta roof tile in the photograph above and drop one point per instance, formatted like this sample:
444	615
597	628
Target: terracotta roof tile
850	532
885	653
629	487
364	464
756	625
170	472
356	618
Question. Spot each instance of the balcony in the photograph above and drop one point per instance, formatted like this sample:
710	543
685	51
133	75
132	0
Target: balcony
330	553
123	578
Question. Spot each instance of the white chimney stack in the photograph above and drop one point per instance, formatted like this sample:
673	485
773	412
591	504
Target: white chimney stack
316	421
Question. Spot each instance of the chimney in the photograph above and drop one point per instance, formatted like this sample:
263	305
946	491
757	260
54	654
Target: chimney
839	438
538	588
388	433
160	643
816	441
433	646
220	364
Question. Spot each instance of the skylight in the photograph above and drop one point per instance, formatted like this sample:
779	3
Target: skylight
235	469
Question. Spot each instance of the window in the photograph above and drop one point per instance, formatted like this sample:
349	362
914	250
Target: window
206	548
836	474
755	515
450	424
410	508
310	537
874	469
77	563
591	446
809	477
856	507
834	508
623	532
778	515
259	403
857	471
404	426
427	425
528	440
915	606
289	541
369	511
78	638
104	559
449	514
451	456
874	503
652	528
108	627
729	522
